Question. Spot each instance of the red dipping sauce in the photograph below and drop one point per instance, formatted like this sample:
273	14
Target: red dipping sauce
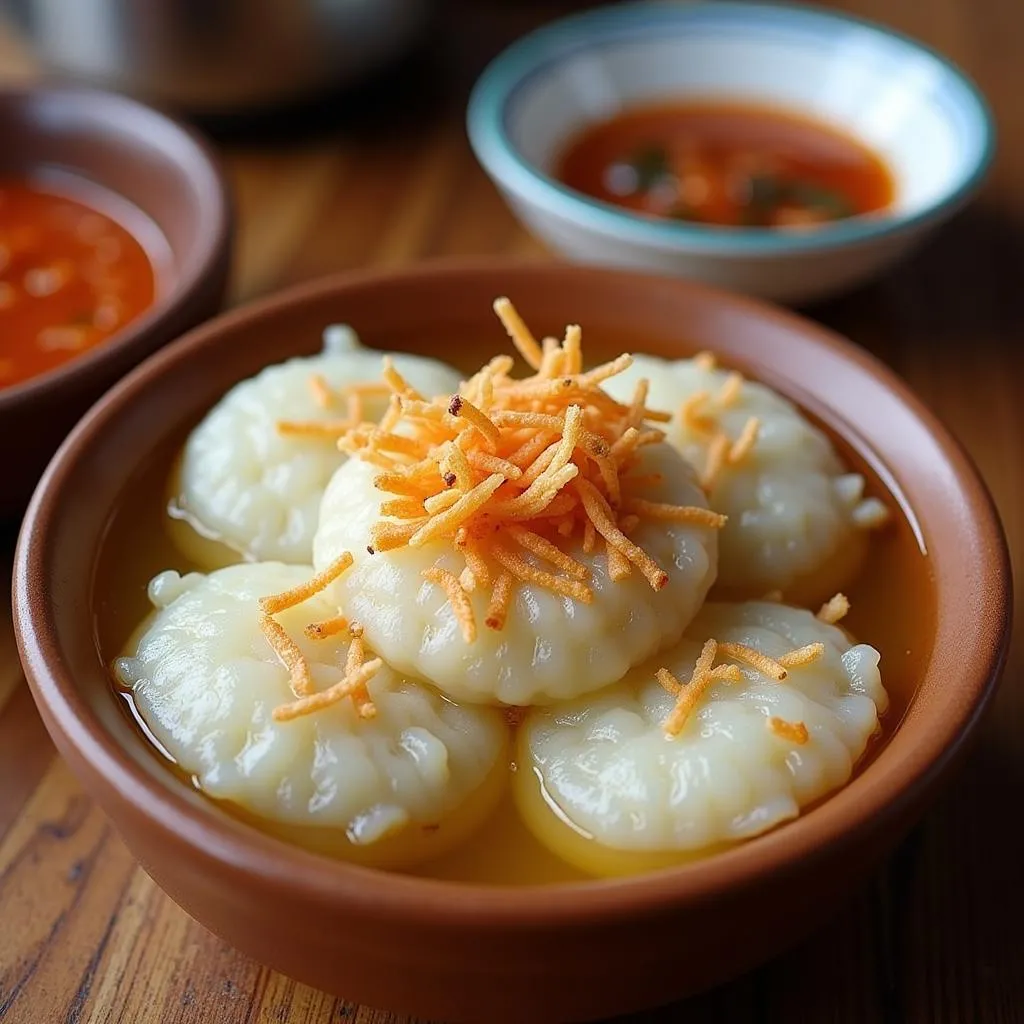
728	165
71	274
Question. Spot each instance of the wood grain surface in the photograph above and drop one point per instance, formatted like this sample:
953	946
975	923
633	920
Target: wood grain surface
937	936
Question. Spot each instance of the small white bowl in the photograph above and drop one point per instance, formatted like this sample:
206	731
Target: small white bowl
910	105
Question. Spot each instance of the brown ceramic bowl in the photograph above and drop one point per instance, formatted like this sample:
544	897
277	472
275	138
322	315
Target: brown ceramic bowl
471	952
162	169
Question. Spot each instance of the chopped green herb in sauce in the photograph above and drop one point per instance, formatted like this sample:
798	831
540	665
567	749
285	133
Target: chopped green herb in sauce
727	165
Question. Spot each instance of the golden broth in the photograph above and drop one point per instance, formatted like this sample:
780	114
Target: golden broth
892	609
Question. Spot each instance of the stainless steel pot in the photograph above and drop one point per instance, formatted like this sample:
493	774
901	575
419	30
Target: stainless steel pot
218	55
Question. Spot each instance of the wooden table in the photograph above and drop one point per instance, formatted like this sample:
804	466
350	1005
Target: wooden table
938	935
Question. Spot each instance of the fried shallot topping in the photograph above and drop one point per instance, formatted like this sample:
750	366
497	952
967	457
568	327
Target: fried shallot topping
358	669
688	694
700	415
351	397
705	672
511	472
834	609
794	732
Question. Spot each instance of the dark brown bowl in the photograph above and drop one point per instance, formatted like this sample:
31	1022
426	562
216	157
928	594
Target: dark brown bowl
165	171
472	952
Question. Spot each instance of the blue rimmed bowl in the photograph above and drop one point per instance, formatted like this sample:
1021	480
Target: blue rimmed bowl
910	105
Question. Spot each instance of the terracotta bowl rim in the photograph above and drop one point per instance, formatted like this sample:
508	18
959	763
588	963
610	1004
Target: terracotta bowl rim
219	843
193	160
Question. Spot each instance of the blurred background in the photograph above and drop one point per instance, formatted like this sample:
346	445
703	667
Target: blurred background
348	114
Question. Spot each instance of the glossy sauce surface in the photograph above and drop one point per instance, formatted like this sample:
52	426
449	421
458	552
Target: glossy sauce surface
71	272
728	165
892	609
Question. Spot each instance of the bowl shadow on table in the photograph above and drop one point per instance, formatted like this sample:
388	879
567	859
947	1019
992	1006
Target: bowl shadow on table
937	930
963	287
406	97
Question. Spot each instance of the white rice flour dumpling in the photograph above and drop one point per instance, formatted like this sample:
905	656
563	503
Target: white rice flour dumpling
759	711
524	541
252	473
798	521
363	763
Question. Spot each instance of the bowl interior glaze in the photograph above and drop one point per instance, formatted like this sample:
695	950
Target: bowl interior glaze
442	949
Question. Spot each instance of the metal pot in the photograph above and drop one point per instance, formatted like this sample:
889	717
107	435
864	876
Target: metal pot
219	55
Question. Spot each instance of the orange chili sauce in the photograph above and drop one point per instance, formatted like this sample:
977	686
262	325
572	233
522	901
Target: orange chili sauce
726	164
892	609
71	273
